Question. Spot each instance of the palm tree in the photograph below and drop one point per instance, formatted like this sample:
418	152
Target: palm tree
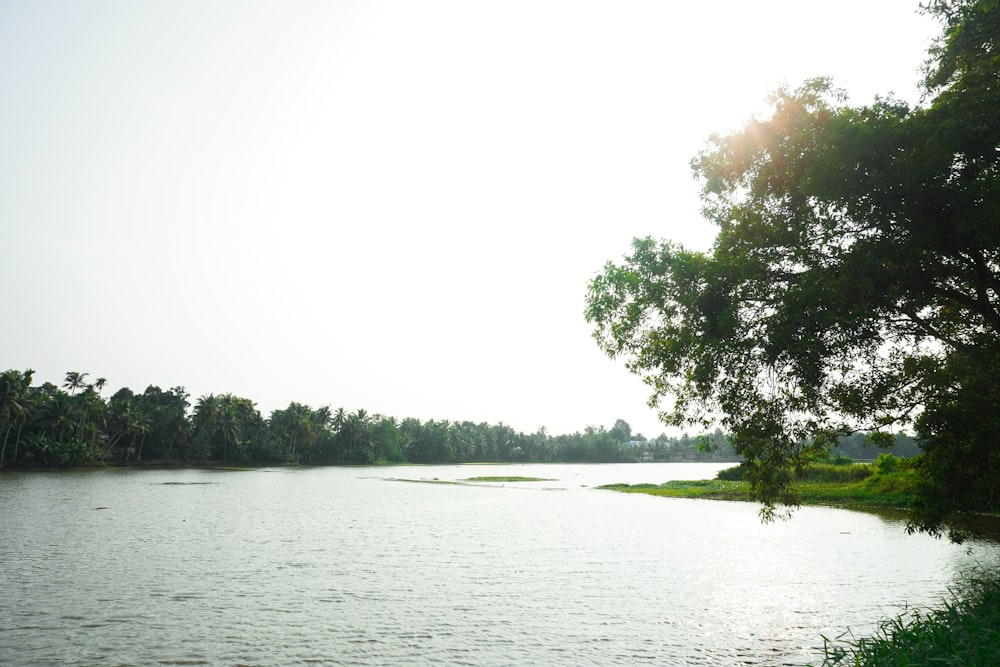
296	426
91	415
141	427
246	426
120	424
359	427
322	417
74	381
206	413
339	418
14	406
340	435
205	420
55	413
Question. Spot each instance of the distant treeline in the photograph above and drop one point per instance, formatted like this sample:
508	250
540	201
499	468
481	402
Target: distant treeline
855	447
75	425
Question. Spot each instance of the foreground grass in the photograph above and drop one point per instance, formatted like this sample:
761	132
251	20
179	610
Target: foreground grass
965	632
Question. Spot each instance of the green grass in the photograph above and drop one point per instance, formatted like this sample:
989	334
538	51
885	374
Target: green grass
712	489
965	632
853	486
831	472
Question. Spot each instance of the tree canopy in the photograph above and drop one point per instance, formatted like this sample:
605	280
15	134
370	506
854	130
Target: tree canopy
854	283
75	425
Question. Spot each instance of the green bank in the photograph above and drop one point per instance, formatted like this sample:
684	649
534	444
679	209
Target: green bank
888	483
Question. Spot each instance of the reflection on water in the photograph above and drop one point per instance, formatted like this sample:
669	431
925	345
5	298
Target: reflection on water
342	566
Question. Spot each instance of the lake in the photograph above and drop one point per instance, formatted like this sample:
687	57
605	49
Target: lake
345	566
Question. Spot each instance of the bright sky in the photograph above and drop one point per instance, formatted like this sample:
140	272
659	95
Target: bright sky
394	206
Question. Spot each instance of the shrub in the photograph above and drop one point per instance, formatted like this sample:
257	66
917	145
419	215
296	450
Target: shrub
829	472
885	464
734	474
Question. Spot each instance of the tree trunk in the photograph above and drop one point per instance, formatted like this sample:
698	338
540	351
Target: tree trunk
17	443
3	448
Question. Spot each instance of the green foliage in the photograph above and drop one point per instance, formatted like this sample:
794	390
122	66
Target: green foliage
862	446
50	426
711	489
734	474
885	464
836	472
844	486
965	632
854	283
223	427
43	450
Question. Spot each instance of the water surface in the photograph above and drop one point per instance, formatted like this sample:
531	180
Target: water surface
342	566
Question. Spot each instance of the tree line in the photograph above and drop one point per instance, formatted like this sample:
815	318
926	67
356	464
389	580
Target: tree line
76	425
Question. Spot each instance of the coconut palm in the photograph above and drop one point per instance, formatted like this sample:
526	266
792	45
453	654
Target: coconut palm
121	423
75	381
14	406
359	439
205	420
141	427
295	426
91	413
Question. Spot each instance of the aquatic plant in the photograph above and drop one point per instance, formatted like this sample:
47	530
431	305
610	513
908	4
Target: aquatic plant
964	632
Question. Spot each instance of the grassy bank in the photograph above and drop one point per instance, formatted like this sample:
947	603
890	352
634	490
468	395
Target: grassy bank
888	483
965	632
892	491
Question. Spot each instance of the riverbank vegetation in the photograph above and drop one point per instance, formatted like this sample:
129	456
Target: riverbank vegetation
76	425
964	632
888	483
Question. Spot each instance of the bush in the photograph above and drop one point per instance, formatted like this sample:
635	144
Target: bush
734	474
885	464
830	472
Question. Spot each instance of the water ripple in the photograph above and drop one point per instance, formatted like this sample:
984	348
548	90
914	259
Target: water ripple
329	567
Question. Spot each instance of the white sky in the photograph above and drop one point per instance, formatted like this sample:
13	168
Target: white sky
394	206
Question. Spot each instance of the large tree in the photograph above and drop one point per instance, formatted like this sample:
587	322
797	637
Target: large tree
854	282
